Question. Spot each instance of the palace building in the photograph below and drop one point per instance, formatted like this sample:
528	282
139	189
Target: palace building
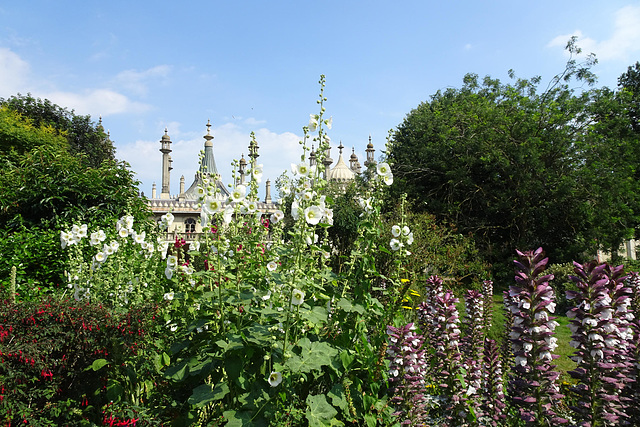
185	207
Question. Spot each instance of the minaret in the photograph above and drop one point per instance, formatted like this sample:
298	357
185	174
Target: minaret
312	157
370	158
242	170
267	198
327	163
153	191
354	164
166	165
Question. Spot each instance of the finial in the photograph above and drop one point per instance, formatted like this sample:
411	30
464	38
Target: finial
208	126
340	147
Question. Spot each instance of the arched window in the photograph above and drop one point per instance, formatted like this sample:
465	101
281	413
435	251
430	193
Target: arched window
189	225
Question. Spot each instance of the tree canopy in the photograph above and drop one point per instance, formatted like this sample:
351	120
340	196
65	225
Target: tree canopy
517	167
53	175
82	134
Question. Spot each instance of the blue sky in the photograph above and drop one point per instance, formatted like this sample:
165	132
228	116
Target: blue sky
254	65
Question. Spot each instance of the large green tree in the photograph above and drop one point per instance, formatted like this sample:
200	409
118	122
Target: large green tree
48	185
82	134
517	167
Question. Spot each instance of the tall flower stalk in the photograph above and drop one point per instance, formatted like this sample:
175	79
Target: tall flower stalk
533	387
600	335
407	369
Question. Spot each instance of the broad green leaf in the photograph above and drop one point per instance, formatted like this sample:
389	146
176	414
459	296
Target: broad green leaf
205	393
338	399
319	411
347	306
313	355
98	364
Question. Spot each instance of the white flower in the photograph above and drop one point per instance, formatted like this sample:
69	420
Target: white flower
272	265
65	238
238	193
256	173
329	122
275	379
227	214
383	169
107	249
123	232
168	272
266	296
139	238
172	261
313	122
297	297
168	296
406	230
211	206
313	215
303	169
277	216
388	179
328	216
410	238
395	230
395	244
522	361
100	257
81	231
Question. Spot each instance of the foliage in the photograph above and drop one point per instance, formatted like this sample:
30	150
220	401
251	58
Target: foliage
517	167
83	136
44	187
62	362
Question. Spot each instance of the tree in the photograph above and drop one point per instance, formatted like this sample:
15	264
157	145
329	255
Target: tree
81	133
47	186
521	169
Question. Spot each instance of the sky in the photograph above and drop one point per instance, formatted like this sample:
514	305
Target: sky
253	66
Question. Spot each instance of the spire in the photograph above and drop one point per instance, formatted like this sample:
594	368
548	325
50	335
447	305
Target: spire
165	149
354	164
327	163
207	169
312	157
370	157
208	165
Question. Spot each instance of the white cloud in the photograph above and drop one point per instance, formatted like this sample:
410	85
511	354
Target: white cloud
623	42
16	77
14	73
136	81
96	102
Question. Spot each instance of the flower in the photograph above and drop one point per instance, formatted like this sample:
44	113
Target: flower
100	257
172	261
297	297
329	122
313	215
271	266
227	214
395	244
388	179
238	193
168	296
65	238
275	378
383	169
211	206
313	122
277	216
395	230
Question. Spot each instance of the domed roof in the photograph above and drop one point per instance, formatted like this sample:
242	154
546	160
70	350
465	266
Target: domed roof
341	172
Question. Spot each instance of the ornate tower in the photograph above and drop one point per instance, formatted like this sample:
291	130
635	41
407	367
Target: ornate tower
165	149
370	158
